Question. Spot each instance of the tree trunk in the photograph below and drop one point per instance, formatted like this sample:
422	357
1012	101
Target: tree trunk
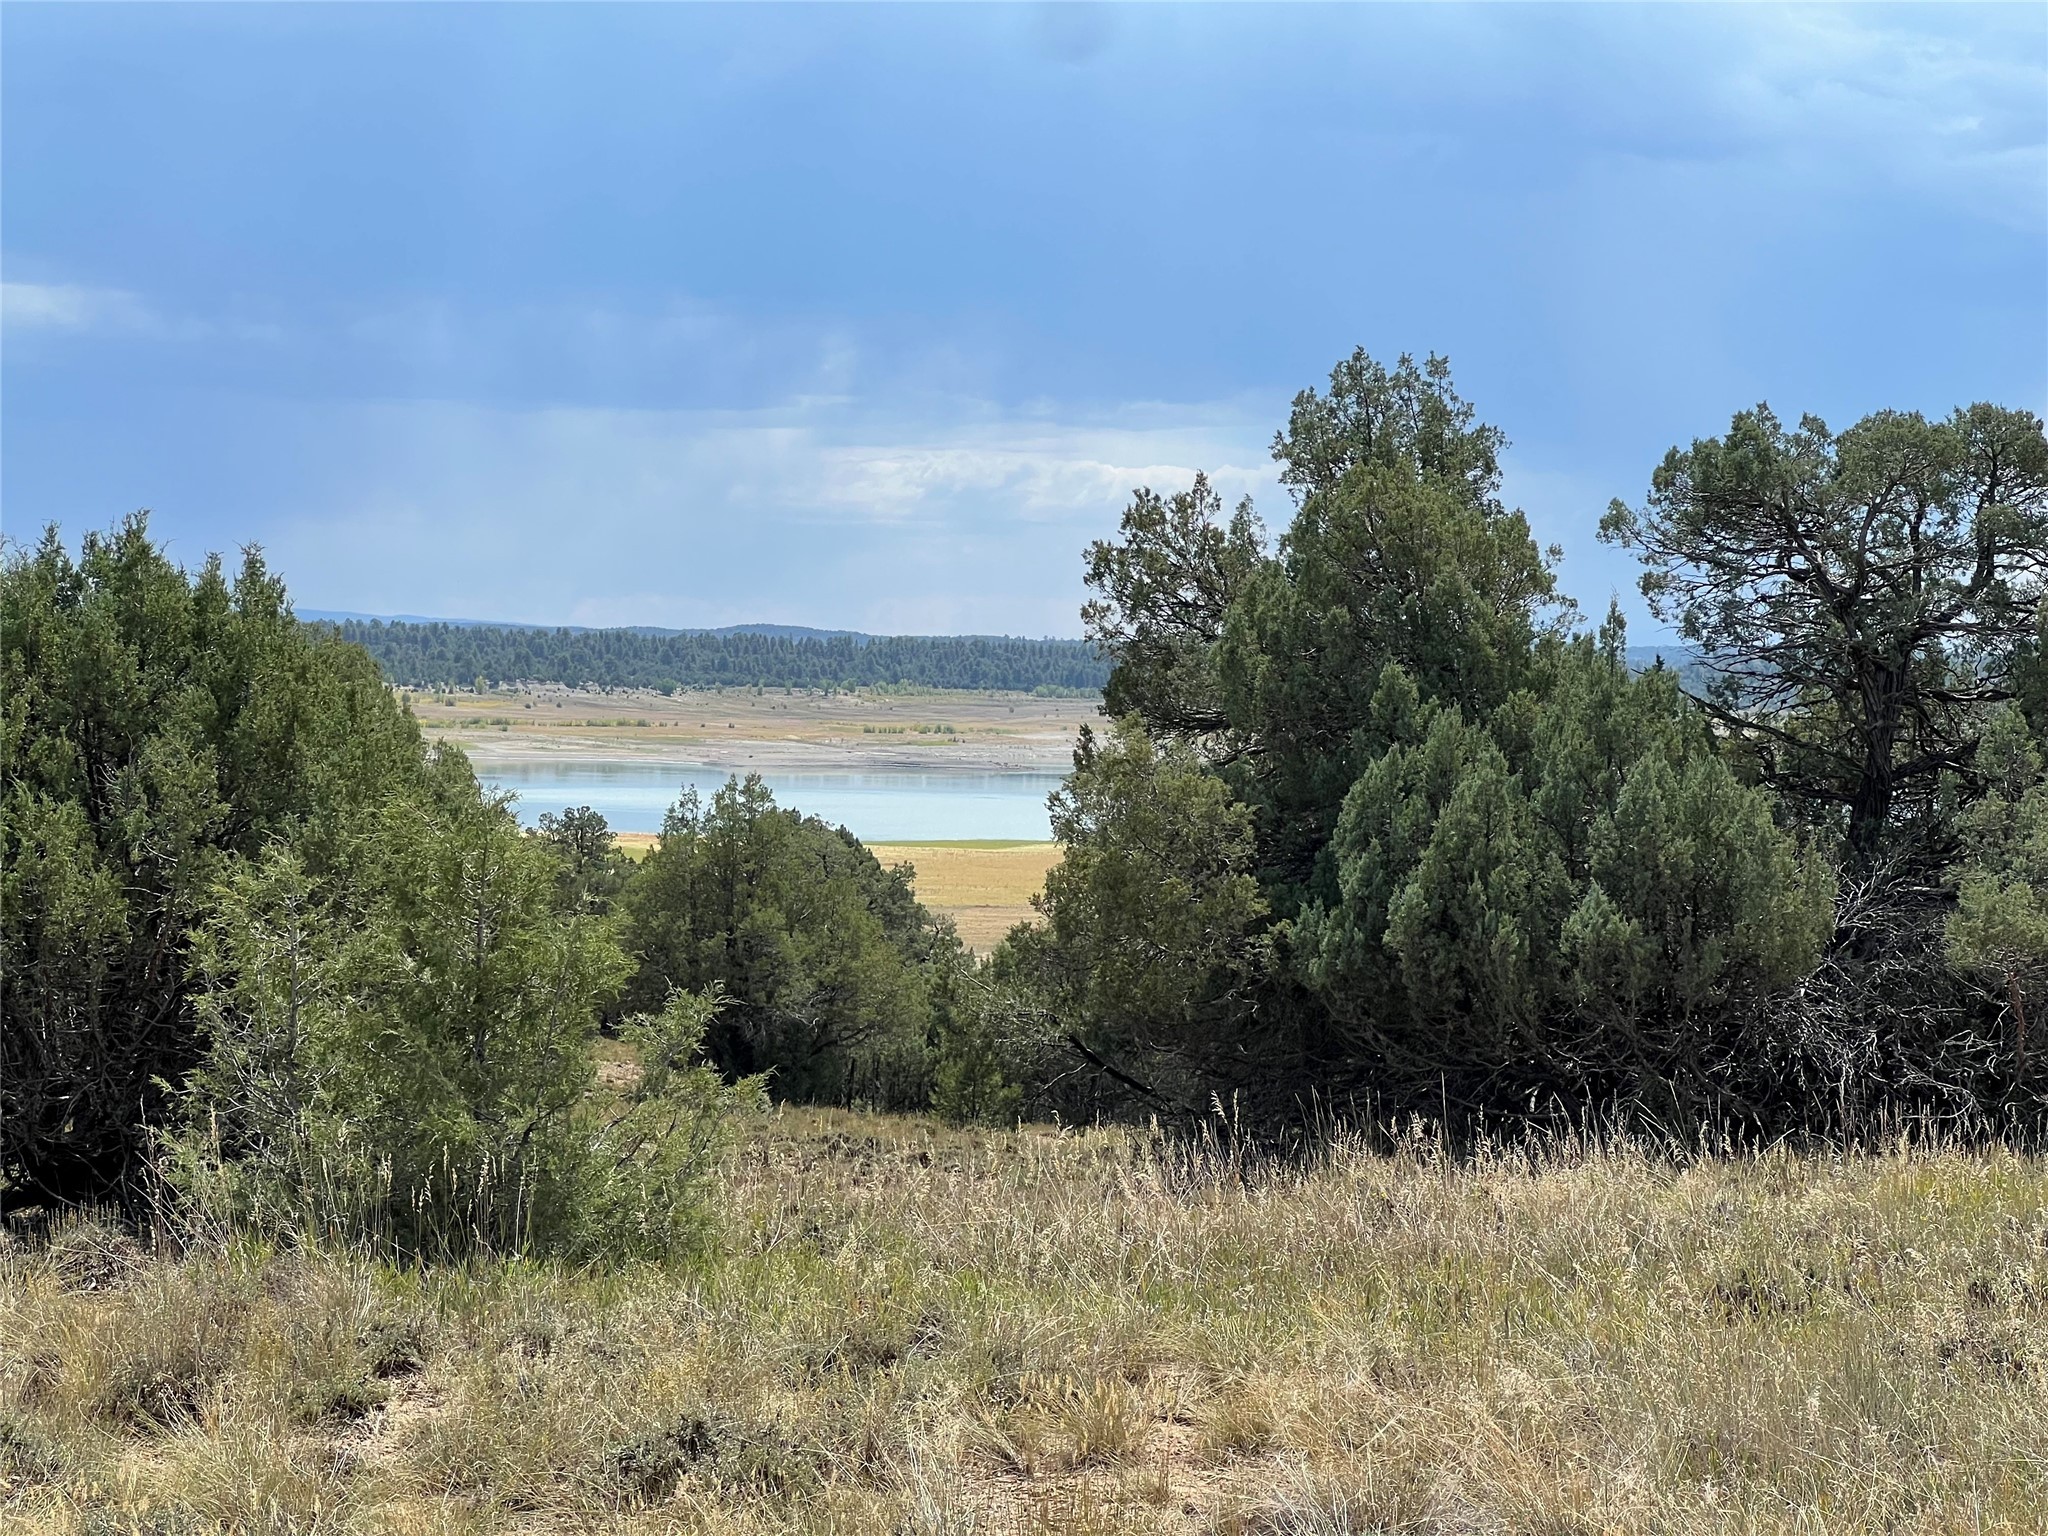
2019	1015
1870	810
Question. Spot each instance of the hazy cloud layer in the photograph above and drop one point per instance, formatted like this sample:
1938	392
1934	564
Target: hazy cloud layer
875	317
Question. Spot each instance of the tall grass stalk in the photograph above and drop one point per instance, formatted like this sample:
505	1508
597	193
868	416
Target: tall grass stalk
915	1329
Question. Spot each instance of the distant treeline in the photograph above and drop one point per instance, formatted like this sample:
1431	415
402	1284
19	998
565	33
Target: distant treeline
449	655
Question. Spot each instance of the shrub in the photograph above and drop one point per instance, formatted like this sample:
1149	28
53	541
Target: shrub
830	968
972	1082
160	726
405	1054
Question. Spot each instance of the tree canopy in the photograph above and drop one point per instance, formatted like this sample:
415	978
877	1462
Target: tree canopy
1374	828
270	960
159	728
830	968
1861	598
1479	866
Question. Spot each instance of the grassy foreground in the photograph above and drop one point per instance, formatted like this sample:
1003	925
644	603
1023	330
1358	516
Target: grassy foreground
916	1330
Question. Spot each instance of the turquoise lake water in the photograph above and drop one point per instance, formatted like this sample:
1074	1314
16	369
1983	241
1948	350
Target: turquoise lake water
877	806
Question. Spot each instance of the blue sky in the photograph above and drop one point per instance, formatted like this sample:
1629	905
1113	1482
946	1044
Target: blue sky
872	317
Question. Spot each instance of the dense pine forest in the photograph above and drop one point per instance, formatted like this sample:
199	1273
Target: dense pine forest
455	655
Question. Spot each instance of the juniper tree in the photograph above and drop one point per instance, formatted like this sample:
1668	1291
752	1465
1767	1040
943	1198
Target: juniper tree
1474	866
831	968
1999	928
160	726
1861	599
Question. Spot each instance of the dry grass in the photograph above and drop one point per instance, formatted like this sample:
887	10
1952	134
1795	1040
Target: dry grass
637	845
958	726
921	1331
986	891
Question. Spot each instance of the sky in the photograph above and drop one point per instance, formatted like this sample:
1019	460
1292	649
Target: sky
873	317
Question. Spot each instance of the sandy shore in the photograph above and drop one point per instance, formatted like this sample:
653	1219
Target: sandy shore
738	731
741	756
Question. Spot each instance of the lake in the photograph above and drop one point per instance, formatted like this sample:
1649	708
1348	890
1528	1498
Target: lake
877	805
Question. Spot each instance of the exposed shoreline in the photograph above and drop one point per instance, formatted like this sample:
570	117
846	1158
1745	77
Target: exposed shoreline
739	731
742	755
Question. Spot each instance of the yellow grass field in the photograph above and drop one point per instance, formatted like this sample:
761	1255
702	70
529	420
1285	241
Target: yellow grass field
986	888
915	1331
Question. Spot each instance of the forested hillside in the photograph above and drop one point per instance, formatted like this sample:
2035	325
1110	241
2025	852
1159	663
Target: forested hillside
450	655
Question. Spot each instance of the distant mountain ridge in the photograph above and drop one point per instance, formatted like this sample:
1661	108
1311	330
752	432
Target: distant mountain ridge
783	631
1686	662
1641	658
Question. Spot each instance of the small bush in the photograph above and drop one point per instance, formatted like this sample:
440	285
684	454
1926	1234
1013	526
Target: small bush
405	1057
646	1469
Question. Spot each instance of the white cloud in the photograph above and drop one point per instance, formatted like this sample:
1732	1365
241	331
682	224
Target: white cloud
72	307
1959	116
815	512
1039	472
79	310
679	350
1945	104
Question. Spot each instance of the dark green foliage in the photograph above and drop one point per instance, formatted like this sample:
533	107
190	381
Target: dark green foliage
1998	932
403	1050
159	726
460	655
593	869
1152	915
1861	599
1381	833
1572	899
1166	588
973	1081
1400	555
260	944
831	970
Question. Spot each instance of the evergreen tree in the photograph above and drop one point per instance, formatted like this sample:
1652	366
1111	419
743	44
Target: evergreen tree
403	1049
1381	832
1999	928
594	870
831	968
482	656
1573	899
1152	915
1861	599
159	728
